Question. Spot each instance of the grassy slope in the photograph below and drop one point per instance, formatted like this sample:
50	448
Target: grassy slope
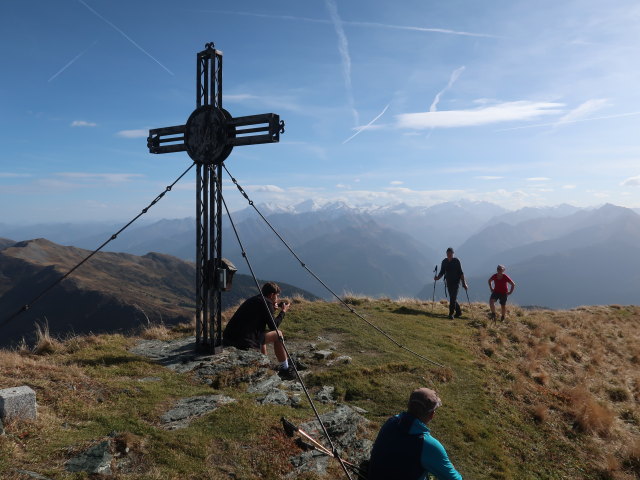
548	395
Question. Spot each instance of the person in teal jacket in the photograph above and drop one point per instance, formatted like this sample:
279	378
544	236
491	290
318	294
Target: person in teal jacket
405	449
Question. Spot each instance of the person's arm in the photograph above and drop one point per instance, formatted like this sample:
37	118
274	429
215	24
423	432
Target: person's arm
283	309
512	285
464	282
436	461
489	281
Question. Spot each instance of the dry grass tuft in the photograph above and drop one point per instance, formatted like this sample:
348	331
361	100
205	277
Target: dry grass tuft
589	416
45	344
156	331
540	413
356	299
631	458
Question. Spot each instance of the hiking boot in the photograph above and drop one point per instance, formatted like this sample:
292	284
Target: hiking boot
458	314
502	318
450	317
299	365
492	316
287	373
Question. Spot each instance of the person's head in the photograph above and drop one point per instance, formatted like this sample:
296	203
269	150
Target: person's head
500	269
270	290
423	403
450	252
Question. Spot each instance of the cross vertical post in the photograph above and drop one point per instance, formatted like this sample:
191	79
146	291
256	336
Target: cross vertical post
209	137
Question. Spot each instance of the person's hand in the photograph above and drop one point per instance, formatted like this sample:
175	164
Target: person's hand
285	306
435	279
465	286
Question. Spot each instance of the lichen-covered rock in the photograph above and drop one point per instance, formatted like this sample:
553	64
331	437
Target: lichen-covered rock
187	409
96	459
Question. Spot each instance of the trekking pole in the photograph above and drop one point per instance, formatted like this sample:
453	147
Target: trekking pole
433	298
290	428
466	290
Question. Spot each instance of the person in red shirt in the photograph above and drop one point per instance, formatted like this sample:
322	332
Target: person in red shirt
502	287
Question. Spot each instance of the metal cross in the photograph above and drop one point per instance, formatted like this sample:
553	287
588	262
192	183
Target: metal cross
208	137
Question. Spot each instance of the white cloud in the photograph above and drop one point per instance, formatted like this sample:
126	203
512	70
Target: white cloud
13	175
82	123
569	187
489	177
538	179
264	188
503	112
583	110
133	133
631	182
396	182
105	177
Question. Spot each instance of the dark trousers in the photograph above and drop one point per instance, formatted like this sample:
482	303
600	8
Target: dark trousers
452	288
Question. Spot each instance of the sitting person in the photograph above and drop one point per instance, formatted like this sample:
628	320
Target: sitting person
405	449
252	327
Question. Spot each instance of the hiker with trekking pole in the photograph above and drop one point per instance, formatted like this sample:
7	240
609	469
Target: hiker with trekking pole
451	269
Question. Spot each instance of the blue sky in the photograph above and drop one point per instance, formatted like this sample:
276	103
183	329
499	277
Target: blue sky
515	102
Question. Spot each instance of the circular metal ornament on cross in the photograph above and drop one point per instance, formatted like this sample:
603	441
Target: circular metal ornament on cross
207	135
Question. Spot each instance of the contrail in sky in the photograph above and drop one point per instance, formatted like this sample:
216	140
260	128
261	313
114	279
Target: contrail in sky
343	47
454	76
452	79
72	61
445	31
367	125
125	36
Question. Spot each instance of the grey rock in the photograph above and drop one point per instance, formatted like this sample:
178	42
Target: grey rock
97	459
275	397
296	401
311	461
265	385
322	354
18	403
325	395
190	408
343	425
341	360
179	355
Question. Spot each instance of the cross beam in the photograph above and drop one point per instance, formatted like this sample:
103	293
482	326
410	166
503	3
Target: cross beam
208	137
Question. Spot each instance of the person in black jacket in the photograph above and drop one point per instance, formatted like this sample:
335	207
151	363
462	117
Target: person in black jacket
452	271
254	325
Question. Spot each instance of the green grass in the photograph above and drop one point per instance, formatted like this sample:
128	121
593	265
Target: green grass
488	424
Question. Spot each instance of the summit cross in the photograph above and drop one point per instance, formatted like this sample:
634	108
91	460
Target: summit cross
208	138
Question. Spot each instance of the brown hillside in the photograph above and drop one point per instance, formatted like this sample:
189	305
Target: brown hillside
110	292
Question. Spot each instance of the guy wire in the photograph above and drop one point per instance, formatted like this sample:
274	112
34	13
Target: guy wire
281	339
351	309
26	306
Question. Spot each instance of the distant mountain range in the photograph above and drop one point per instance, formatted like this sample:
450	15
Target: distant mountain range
110	292
554	254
